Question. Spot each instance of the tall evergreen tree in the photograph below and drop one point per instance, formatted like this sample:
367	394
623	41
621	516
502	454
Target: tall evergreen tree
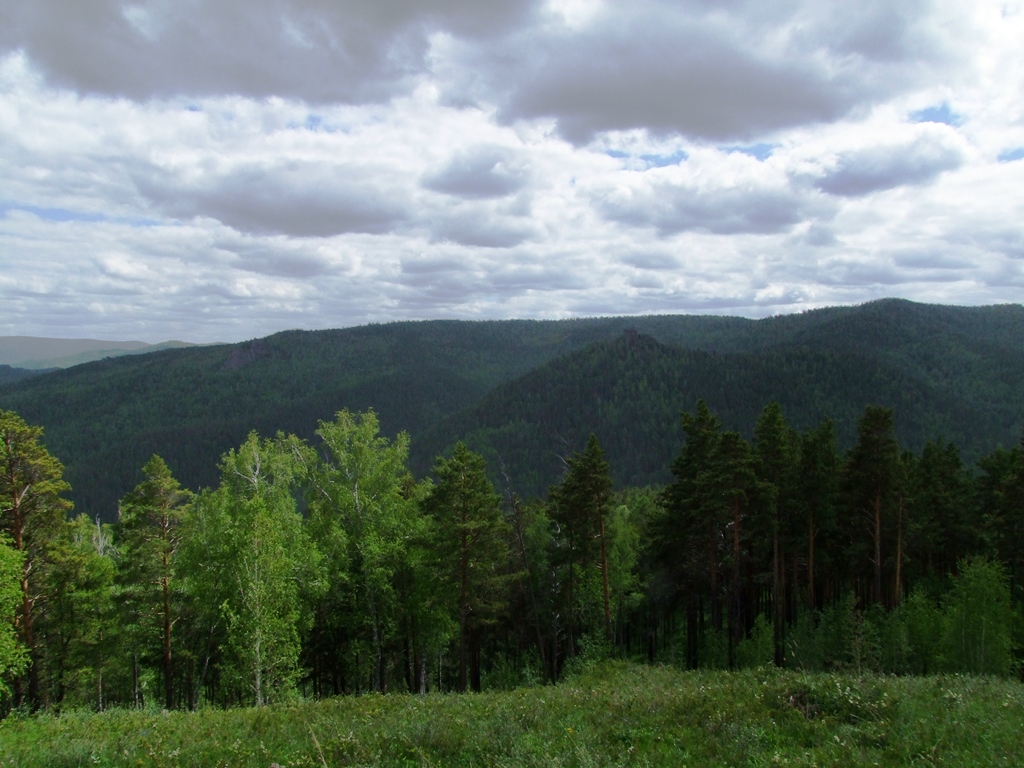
818	494
471	544
689	540
777	450
872	483
149	527
32	513
580	507
13	656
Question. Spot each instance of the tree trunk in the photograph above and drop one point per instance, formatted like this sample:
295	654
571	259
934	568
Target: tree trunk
811	533
878	547
168	680
604	583
898	592
463	610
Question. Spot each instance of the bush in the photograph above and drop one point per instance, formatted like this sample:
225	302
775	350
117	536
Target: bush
977	635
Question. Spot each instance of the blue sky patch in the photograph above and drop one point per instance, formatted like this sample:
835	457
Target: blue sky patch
661	161
650	160
53	214
63	215
1009	155
760	151
938	114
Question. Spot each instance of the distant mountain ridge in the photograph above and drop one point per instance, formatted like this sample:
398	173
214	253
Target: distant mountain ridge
630	391
39	353
518	389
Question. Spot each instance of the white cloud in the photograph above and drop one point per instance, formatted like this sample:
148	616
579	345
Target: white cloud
221	171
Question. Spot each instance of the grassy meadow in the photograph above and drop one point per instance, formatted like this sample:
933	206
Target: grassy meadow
614	714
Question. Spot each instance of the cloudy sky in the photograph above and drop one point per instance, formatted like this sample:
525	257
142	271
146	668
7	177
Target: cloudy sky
223	170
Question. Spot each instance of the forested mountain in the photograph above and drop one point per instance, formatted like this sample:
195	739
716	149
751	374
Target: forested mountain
533	390
10	374
630	391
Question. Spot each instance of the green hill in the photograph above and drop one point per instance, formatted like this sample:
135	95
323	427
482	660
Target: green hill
630	392
531	390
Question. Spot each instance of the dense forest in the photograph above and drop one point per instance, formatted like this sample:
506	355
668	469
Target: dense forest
525	394
321	567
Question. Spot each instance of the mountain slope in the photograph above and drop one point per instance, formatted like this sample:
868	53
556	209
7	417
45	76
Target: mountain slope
630	391
959	368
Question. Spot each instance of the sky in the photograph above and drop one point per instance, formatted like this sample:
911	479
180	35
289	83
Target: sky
182	169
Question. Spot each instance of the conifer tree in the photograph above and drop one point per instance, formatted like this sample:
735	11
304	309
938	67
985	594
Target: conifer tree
776	445
872	482
32	513
689	540
471	545
13	656
818	494
580	507
149	527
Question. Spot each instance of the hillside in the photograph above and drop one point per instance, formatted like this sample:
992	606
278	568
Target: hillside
630	392
10	374
534	389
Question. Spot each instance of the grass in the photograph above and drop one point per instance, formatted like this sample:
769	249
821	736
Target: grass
616	714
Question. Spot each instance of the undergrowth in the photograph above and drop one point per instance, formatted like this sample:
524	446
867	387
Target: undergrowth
614	714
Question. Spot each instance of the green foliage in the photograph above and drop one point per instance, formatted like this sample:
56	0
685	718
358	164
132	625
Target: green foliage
758	650
32	513
149	528
13	655
953	371
363	519
978	620
923	620
272	566
612	715
470	542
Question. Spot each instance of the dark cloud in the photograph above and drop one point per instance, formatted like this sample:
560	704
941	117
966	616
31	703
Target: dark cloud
672	208
299	198
702	70
316	50
431	265
820	236
931	260
480	172
651	261
877	168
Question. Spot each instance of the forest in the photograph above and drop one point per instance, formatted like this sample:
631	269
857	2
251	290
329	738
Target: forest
320	567
526	393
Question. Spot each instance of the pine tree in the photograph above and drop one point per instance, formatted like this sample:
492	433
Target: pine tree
776	445
32	513
872	481
471	544
149	529
580	508
689	540
13	656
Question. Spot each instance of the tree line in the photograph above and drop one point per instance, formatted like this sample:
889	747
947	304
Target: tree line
323	568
